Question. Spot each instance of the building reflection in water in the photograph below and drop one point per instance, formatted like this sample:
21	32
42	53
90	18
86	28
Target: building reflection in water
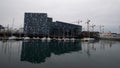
36	51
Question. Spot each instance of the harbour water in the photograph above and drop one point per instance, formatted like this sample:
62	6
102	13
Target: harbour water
59	54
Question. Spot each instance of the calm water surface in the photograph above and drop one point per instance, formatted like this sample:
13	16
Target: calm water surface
59	54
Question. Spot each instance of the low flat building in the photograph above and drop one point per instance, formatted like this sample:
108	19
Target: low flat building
63	29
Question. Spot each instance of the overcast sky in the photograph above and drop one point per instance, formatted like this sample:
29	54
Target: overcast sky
100	12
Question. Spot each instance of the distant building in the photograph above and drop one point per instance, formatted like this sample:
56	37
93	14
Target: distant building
20	30
1	28
38	24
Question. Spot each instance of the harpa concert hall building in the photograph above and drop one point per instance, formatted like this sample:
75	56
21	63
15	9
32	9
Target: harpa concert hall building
40	25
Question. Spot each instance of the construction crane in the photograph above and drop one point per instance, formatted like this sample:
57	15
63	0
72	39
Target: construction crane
101	26
93	27
78	22
119	29
87	24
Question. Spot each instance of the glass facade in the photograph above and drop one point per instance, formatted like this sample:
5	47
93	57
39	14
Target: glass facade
35	24
38	24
